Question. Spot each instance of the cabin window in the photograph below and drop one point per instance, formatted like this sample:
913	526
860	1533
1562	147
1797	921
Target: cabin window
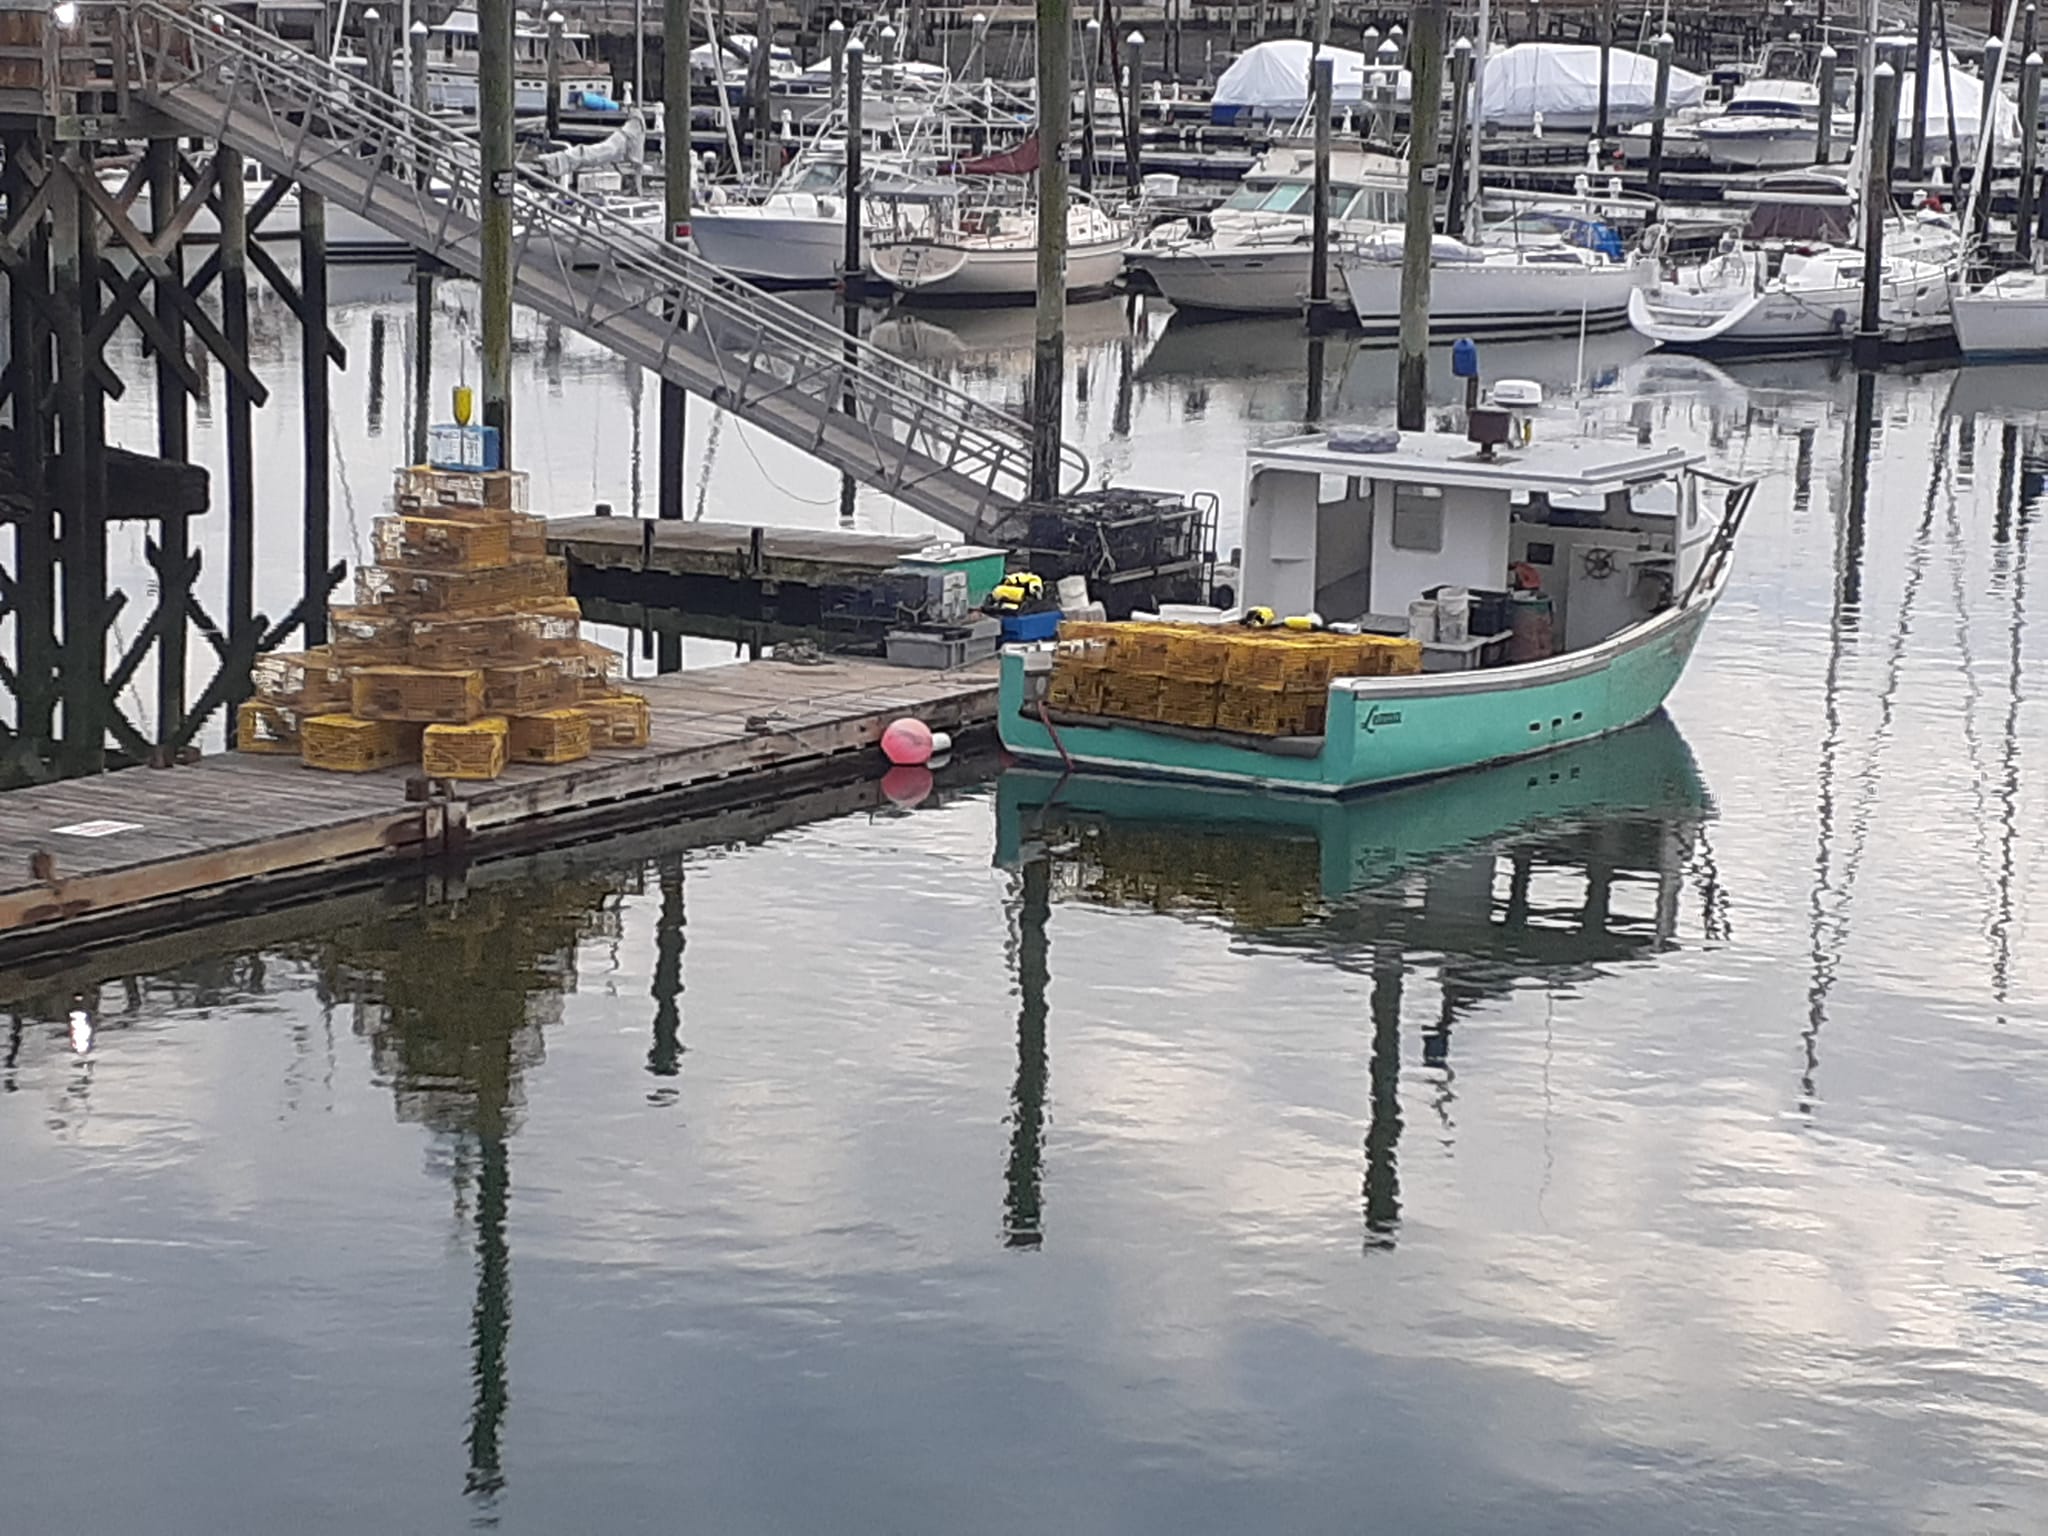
1692	502
1418	518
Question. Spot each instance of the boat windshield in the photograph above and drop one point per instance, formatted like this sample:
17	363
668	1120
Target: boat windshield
819	176
1821	222
1376	205
1265	197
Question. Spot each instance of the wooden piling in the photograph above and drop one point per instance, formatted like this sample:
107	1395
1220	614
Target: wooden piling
1461	136
1049	339
835	52
1877	196
1660	106
1604	125
1322	101
554	76
758	107
1923	46
494	130
1426	67
1134	65
1091	49
1824	132
313	377
2030	134
849	261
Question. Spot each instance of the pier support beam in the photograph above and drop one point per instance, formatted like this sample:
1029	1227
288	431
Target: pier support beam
2030	149
1049	343
234	309
34	595
1322	102
173	437
81	480
313	376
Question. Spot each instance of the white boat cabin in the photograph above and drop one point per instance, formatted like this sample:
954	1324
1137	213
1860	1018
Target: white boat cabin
1359	526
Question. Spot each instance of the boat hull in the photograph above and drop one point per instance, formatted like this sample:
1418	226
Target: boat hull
1484	299
796	249
969	274
1394	730
2001	327
1781	319
1267	282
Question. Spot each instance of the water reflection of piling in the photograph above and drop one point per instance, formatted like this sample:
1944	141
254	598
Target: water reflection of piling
1023	1197
1382	1194
664	1057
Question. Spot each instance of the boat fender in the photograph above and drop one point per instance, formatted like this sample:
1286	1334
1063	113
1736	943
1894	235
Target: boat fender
1257	618
1302	622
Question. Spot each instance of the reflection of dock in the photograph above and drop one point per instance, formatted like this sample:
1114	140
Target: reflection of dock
236	832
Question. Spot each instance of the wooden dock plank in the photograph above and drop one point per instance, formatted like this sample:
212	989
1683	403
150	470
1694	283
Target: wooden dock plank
243	819
800	556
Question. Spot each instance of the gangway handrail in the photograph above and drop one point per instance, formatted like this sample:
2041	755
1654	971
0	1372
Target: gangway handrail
215	69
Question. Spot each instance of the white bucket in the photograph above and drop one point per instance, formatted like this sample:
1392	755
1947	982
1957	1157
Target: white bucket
1453	615
1073	592
1422	620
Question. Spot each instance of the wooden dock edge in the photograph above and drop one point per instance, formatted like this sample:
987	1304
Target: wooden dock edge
488	821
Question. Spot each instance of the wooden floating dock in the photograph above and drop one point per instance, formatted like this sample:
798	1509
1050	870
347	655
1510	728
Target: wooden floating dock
144	850
810	557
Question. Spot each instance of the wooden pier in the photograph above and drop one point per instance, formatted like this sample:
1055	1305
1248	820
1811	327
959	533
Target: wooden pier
145	850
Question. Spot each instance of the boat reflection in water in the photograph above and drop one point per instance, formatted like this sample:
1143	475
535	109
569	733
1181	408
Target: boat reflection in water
1544	871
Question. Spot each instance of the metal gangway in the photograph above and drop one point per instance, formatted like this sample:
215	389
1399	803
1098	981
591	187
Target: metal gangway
802	378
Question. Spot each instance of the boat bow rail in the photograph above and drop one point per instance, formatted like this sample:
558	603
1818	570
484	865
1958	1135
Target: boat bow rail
889	425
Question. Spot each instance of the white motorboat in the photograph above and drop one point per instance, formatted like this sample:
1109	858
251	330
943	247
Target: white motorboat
1251	255
979	248
1771	125
796	235
1548	289
1793	278
2007	317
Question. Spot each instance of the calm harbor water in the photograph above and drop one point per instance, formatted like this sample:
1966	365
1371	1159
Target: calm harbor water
1644	1139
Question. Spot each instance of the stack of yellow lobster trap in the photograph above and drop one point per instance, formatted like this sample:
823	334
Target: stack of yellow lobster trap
462	650
1255	682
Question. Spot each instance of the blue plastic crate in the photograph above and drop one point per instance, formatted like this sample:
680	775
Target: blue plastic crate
1021	627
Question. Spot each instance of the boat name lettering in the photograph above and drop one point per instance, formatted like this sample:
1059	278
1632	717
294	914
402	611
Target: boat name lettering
1375	717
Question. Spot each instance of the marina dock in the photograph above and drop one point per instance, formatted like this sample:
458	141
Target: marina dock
143	850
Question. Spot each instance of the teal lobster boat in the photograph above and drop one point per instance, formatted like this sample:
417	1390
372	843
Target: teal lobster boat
1625	549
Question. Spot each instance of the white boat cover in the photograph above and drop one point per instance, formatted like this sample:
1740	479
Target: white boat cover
623	145
1968	113
1273	78
1562	81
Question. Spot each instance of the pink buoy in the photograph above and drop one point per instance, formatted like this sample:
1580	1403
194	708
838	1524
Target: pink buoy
906	785
907	742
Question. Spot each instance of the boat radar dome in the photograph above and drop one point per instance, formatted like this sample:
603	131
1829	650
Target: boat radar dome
1517	394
